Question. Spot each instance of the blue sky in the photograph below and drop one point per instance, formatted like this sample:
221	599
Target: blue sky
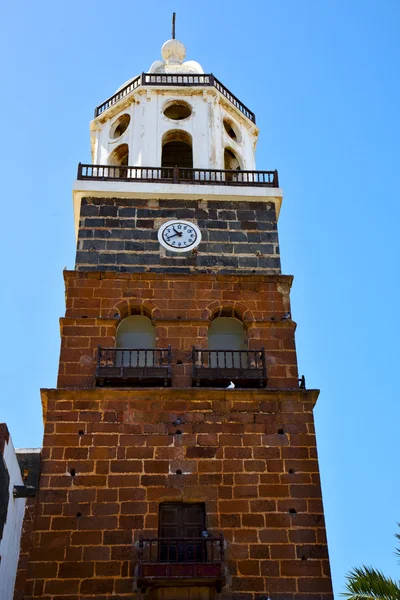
322	78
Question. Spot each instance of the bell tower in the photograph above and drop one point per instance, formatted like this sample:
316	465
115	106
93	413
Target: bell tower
179	456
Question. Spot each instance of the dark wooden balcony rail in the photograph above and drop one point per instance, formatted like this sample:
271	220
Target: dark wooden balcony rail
133	365
219	366
180	80
132	85
181	561
178	175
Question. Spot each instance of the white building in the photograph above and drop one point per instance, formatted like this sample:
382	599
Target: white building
11	514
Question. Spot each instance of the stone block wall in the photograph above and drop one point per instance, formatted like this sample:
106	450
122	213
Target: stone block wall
181	307
110	457
121	235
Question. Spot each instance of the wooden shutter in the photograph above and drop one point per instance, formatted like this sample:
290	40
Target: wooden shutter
181	520
193	519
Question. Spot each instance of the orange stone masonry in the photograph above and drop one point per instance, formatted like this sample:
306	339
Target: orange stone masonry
181	308
110	457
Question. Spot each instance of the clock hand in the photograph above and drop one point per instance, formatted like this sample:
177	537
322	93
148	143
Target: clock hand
173	235
177	232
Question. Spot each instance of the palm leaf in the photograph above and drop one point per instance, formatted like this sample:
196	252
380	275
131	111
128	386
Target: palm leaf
397	550
367	583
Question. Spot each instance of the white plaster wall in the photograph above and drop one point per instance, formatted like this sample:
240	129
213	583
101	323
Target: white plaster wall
10	542
149	124
244	147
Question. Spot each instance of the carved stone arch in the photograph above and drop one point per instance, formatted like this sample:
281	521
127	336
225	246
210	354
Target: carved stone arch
119	156
127	308
177	149
232	159
237	310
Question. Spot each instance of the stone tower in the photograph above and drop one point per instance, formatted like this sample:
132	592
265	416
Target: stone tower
179	457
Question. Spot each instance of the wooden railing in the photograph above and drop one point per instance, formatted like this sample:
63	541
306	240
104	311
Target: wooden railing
218	367
132	85
181	561
178	175
175	79
116	366
233	100
181	80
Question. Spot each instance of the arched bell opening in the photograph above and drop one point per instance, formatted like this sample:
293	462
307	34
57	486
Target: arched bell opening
177	150
137	336
134	360
119	156
231	161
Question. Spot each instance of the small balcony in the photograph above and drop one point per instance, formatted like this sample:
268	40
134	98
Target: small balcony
181	562
183	175
218	368
133	367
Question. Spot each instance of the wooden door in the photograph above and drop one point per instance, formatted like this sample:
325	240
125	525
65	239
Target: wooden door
178	520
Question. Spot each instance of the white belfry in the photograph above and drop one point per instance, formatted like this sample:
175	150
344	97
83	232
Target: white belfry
150	125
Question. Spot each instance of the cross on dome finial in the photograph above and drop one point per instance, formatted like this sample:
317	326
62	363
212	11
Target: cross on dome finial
173	53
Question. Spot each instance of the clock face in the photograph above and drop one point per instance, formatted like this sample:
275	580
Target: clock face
179	236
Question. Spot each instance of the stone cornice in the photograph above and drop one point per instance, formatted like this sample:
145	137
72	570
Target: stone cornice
284	279
225	400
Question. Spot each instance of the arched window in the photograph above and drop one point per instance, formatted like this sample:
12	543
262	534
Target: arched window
231	161
119	156
136	334
177	150
226	333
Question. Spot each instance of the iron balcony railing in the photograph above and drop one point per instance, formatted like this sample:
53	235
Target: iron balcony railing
219	367
179	80
178	175
116	366
181	561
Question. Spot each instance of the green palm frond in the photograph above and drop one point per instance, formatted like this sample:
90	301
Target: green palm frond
397	551
367	583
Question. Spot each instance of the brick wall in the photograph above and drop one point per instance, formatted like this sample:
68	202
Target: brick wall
121	235
181	307
250	455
